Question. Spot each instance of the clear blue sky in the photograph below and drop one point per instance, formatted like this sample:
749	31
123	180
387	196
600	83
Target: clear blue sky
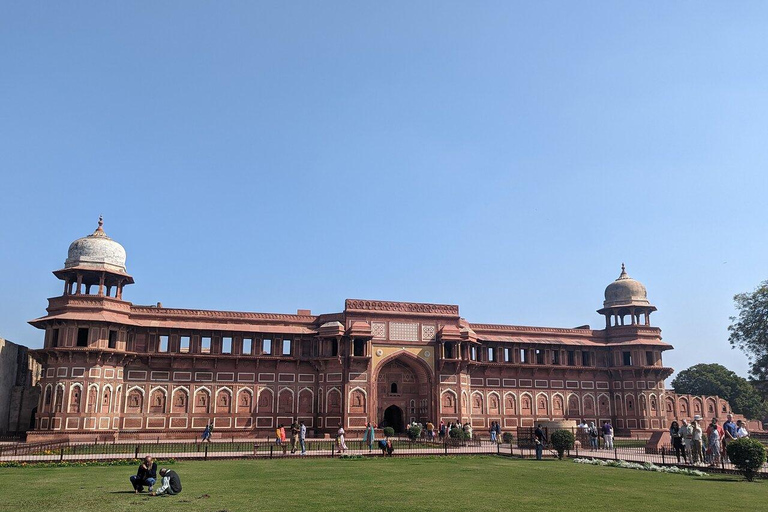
505	157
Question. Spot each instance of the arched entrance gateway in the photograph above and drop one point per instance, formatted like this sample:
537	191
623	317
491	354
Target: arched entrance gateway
403	391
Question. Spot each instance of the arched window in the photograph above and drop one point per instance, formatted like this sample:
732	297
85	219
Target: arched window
393	387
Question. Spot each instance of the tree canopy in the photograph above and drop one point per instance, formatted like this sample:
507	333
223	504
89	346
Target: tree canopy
749	330
716	379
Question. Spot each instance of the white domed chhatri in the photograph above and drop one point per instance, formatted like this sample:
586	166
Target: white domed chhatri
625	291
97	252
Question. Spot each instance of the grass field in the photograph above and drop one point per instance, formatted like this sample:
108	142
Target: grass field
395	484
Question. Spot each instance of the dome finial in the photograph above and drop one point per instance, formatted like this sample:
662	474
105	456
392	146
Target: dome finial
101	223
623	274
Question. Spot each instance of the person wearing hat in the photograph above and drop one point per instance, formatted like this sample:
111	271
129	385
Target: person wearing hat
171	483
696	433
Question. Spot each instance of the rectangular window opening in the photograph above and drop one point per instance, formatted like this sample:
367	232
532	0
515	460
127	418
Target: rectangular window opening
524	356
163	344
506	355
359	348
286	347
112	339
555	357
571	358
266	346
205	344
539	356
649	358
184	343
247	344
82	337
627	358
585	359
226	345
55	338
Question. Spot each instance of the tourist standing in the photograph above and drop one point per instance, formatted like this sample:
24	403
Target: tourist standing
498	433
741	430
695	433
714	442
441	432
370	436
492	431
146	475
278	437
677	440
294	437
430	430
729	434
686	433
340	440
303	437
593	435
540	439
608	435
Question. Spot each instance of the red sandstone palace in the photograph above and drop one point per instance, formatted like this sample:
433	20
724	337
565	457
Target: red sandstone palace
115	369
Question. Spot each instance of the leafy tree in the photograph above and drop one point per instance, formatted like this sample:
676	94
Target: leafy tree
562	440
748	455
716	379
749	330
389	432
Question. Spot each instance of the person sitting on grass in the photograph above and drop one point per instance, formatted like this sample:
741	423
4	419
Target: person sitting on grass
146	475
386	447
171	483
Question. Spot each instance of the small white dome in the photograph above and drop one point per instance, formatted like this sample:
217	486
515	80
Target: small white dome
625	291
97	252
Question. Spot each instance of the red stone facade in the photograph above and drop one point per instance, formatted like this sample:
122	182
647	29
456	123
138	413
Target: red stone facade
114	369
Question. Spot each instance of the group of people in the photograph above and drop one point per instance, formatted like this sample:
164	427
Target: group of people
594	433
298	437
695	445
146	476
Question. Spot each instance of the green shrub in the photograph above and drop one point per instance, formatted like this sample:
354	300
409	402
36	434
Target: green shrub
414	432
458	434
562	440
746	454
389	431
508	438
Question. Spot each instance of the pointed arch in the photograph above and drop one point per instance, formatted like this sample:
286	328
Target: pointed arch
285	399
75	397
58	398
493	403
223	400
526	404
180	399
448	401
558	405
134	399
157	399
266	401
477	402
574	406
542	404
588	405
47	399
510	404
202	402
333	401
603	405
118	401
244	400
106	399
92	398
358	400
306	401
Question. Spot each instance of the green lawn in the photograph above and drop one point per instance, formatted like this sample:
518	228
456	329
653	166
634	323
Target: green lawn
397	484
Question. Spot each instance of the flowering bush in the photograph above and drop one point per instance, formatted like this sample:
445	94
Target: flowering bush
646	466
